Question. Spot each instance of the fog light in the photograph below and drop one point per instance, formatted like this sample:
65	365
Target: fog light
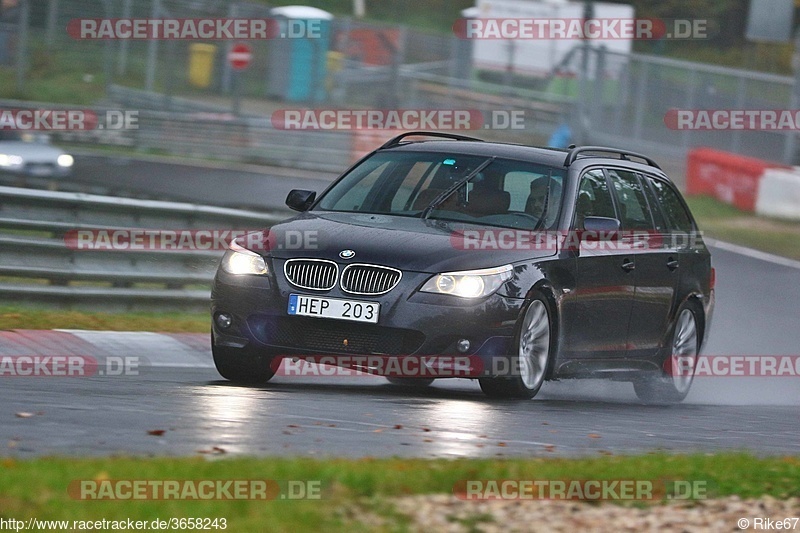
224	320
463	345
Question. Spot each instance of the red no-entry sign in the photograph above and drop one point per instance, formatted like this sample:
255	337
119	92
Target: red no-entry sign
239	57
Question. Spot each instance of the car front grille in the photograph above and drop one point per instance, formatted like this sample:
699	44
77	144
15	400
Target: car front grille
369	279
313	334
314	274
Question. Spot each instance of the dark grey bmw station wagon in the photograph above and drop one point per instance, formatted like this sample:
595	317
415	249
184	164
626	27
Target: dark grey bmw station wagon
535	263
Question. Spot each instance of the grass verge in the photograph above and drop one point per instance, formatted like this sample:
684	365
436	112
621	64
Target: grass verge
353	491
18	317
724	222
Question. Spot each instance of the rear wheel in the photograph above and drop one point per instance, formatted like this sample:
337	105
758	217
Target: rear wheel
242	365
674	383
534	342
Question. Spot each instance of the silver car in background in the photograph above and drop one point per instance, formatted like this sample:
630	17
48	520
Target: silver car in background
31	154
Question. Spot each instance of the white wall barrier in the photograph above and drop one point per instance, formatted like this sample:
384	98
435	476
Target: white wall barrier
779	194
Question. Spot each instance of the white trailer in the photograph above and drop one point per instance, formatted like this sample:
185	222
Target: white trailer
539	56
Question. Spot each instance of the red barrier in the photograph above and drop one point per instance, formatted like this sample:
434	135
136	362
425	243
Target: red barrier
730	178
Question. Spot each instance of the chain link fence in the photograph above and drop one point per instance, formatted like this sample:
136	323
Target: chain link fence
639	103
615	98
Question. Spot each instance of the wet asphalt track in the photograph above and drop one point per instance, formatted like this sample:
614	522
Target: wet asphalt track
758	305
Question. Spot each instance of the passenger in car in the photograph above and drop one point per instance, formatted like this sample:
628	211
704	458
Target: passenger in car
486	197
539	193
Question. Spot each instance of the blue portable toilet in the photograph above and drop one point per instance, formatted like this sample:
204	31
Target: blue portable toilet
298	57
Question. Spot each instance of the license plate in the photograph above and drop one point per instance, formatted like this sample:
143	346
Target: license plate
40	170
333	308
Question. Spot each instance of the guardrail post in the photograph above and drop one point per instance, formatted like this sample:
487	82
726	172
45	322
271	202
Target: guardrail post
52	20
22	44
152	51
641	100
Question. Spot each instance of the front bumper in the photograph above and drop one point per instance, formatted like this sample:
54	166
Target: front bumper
38	170
411	324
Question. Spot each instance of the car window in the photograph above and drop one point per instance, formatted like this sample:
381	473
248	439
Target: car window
385	182
503	193
517	184
633	209
10	135
354	198
677	216
416	180
655	207
594	198
528	192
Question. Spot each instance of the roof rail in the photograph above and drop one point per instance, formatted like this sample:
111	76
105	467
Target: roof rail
396	140
623	154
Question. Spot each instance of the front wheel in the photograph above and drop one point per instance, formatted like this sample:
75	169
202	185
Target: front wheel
674	383
241	365
534	346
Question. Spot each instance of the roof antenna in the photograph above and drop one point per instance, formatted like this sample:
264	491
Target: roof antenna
571	146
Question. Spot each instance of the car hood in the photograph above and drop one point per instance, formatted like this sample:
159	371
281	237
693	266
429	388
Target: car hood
406	243
31	152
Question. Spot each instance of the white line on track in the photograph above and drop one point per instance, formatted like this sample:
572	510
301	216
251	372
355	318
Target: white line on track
755	254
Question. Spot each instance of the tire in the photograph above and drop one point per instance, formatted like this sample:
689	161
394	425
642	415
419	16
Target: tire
410	382
240	365
675	380
535	345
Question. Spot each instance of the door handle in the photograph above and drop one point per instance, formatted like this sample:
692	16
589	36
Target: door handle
628	265
672	264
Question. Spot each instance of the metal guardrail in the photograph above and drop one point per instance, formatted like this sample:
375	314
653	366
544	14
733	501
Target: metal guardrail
252	140
38	265
132	98
195	129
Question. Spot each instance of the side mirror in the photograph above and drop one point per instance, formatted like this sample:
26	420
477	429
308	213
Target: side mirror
300	200
599	228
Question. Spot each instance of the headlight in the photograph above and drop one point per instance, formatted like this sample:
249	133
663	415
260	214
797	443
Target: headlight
470	283
240	260
10	160
65	160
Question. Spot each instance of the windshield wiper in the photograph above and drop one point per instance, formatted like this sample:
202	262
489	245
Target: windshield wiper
453	188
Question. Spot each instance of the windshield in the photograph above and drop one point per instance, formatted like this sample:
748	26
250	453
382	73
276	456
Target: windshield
487	191
10	135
